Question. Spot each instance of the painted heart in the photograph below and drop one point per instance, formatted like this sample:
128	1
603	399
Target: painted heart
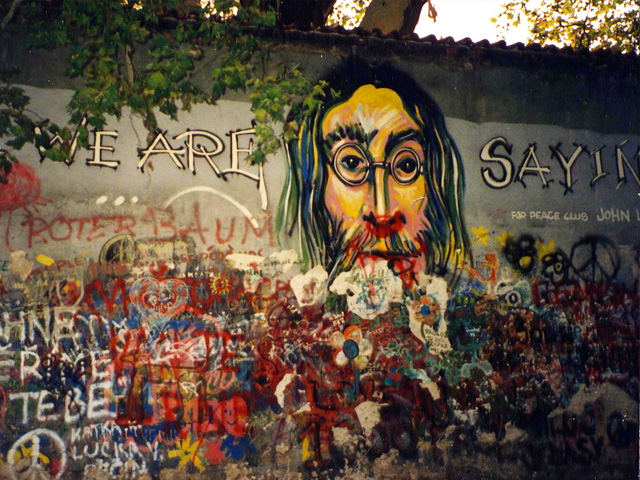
161	297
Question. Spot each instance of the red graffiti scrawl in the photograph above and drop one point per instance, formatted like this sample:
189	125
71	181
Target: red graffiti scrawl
22	188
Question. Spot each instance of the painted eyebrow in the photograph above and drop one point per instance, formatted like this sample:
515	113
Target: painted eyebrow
403	136
352	131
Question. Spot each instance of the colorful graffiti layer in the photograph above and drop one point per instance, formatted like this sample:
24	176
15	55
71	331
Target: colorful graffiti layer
399	329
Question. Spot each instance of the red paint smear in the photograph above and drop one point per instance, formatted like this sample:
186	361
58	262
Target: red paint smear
402	265
22	188
384	226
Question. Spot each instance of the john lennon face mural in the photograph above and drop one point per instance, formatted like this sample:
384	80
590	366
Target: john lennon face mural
374	175
375	192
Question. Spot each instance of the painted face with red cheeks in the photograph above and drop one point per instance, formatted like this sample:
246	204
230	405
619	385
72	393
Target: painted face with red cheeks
375	191
233	415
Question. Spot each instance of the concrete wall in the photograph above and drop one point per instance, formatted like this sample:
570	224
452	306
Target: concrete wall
156	322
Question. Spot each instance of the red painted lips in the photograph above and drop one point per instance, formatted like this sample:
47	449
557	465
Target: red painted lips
384	226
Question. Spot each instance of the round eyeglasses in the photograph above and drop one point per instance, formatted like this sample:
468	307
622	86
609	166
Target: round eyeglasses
354	167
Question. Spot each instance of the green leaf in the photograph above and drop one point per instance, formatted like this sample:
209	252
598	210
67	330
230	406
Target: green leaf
157	80
136	102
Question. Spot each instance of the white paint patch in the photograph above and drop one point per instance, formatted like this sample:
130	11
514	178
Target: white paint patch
430	326
369	415
280	263
101	200
20	265
438	290
433	389
370	289
282	385
277	265
245	261
438	343
119	201
435	297
310	288
135	199
613	398
343	437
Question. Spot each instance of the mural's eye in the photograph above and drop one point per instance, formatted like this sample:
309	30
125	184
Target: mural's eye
405	166
351	164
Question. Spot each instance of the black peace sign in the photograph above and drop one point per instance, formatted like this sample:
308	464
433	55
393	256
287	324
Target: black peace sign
595	259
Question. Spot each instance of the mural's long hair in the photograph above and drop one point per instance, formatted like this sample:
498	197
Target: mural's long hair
302	203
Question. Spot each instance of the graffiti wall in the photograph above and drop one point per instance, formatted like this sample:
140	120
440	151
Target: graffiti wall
401	293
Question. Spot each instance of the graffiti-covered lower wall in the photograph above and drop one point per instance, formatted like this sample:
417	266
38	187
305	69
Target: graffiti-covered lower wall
406	291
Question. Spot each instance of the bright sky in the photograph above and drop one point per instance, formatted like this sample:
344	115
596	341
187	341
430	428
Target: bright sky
467	18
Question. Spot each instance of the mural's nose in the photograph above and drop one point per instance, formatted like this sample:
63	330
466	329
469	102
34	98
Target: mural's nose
380	192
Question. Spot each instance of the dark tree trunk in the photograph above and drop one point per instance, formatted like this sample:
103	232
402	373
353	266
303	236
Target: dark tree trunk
393	15
302	14
305	14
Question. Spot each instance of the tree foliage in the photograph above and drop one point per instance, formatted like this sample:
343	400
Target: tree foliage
613	24
143	56
348	13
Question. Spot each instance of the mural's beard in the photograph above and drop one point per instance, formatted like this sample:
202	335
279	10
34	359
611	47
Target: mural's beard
401	252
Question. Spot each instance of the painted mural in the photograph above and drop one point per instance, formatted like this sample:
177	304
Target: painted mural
399	296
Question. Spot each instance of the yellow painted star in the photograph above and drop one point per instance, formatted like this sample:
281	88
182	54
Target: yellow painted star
481	235
504	238
545	249
187	452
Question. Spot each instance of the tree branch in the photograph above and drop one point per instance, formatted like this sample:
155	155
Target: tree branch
12	11
128	54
